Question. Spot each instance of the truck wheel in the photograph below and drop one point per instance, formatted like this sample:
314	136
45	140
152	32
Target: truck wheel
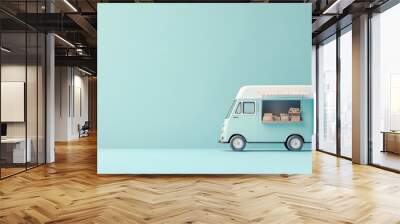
238	143
294	143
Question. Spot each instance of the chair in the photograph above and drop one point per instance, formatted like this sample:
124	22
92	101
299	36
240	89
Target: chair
84	130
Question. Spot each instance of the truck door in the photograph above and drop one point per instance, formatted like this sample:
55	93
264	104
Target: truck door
244	119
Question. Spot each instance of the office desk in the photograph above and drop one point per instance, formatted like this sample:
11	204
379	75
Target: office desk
391	141
13	150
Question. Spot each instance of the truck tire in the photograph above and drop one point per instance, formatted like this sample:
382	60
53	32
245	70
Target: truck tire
238	143
294	143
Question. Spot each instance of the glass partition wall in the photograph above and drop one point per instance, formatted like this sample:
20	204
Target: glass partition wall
345	61
22	98
385	89
13	122
327	95
334	104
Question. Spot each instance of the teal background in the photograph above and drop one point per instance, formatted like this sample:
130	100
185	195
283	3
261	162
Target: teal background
168	73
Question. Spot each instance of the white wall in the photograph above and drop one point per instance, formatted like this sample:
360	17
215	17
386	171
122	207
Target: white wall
71	102
62	82
80	112
15	72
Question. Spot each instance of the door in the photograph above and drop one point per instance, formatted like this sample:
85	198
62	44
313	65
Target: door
244	120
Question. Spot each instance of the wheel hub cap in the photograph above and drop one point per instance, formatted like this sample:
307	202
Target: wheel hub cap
238	143
295	143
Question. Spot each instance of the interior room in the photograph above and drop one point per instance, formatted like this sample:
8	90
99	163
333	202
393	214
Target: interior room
22	102
51	168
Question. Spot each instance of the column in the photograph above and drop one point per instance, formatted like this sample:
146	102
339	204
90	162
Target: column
360	90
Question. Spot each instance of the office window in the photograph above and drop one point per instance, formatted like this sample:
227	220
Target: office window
385	89
346	93
239	108
394	102
327	95
249	108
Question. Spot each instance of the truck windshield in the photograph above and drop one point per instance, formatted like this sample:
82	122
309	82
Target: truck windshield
230	109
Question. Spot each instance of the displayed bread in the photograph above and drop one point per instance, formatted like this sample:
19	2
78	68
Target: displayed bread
284	117
295	118
293	115
267	117
294	110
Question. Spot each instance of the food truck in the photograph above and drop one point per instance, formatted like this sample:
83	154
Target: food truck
270	114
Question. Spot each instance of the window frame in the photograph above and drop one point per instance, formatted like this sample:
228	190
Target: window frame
239	106
254	106
333	37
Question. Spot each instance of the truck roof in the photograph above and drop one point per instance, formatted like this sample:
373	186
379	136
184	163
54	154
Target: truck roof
260	91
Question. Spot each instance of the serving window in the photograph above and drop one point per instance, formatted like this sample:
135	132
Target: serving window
275	111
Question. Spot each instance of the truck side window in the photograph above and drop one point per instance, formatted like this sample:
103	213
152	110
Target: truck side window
249	107
239	108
